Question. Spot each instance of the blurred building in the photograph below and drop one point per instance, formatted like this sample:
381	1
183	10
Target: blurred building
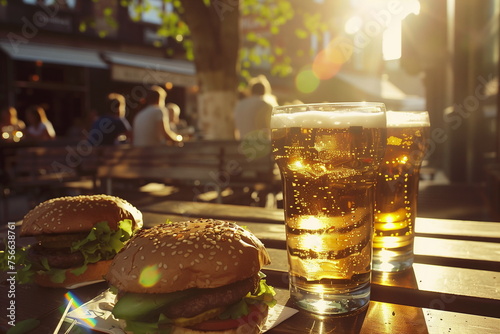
67	55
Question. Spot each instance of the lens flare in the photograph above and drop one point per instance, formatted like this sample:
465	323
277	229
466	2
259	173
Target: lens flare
325	66
149	276
306	81
330	60
76	303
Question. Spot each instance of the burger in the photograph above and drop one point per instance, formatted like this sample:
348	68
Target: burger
199	276
76	239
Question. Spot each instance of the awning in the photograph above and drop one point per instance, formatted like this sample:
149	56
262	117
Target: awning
54	54
150	70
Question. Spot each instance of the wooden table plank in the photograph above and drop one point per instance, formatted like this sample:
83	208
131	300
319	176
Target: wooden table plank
439	321
469	282
460	249
190	210
386	318
424	226
451	227
431	278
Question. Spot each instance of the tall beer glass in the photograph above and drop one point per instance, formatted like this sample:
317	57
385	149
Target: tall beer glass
397	190
328	155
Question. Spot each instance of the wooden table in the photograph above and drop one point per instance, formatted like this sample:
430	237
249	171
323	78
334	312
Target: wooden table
453	287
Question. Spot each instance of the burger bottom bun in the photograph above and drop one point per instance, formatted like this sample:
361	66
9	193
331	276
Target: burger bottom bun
254	326
94	274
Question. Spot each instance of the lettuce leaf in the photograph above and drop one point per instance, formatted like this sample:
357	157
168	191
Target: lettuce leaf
138	327
264	294
102	243
24	272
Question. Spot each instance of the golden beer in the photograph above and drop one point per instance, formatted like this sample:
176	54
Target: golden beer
397	190
328	162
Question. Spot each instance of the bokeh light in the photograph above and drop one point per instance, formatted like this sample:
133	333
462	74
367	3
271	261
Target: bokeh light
306	81
150	275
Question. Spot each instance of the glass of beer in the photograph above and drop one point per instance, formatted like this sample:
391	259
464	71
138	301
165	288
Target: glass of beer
397	190
328	155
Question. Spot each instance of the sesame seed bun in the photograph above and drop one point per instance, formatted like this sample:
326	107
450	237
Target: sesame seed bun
76	214
60	223
202	253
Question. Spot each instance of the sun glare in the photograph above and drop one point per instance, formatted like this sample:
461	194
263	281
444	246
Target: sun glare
150	276
76	303
377	12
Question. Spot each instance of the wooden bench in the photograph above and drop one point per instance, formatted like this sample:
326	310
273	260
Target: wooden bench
206	165
56	168
53	166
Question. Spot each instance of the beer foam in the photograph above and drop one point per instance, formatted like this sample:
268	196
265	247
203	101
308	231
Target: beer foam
412	119
328	119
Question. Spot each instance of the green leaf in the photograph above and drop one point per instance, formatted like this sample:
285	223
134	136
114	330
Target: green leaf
57	275
82	27
236	311
80	270
45	263
137	306
108	11
102	243
138	327
301	33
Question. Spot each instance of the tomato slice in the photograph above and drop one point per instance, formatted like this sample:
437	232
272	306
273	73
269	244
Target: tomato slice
255	314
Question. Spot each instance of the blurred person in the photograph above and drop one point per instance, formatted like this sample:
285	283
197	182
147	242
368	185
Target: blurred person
111	127
39	127
152	126
178	124
252	114
11	127
174	113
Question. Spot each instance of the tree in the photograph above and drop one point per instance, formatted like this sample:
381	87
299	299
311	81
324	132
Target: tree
213	41
214	31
